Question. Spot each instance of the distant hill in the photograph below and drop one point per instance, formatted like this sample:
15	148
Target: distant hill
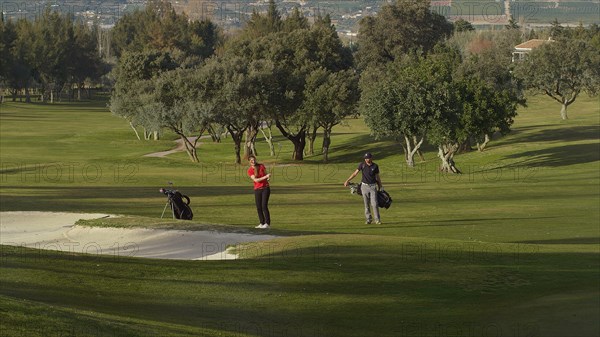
345	14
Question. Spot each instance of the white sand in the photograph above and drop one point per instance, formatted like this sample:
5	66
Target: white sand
56	231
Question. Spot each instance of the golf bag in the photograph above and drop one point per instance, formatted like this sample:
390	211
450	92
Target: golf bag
383	199
179	203
355	188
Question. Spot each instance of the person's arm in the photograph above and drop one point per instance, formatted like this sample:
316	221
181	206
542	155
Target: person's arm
351	177
378	181
257	180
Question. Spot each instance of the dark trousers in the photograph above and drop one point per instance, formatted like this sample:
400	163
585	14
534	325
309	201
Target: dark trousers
261	196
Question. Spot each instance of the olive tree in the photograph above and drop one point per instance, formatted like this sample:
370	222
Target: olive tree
562	70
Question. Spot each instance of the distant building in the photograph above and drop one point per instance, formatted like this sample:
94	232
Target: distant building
525	48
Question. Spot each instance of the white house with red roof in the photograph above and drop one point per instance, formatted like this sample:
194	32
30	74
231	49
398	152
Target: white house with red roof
525	48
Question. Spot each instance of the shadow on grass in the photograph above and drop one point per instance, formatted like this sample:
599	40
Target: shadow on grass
543	134
567	241
560	155
444	223
22	117
357	146
330	289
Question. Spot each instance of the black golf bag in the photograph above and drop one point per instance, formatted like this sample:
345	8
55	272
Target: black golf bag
383	199
179	203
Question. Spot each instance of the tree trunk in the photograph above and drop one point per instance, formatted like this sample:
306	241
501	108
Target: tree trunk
215	134
563	111
481	146
411	147
409	153
404	150
299	140
134	130
269	140
59	92
189	148
563	100
446	154
79	91
237	136
249	146
237	141
326	143
238	146
156	136
311	140
42	92
27	95
465	146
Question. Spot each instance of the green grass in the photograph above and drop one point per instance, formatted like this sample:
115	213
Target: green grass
510	248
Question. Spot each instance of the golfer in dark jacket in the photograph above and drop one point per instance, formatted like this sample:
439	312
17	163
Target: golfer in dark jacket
370	183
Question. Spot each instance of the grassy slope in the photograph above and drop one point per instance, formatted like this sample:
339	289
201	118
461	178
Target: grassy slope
511	246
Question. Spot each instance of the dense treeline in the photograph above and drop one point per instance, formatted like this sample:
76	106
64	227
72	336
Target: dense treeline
159	27
414	77
55	53
50	54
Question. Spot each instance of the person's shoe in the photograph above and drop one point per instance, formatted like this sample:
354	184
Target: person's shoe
378	222
266	226
368	222
259	226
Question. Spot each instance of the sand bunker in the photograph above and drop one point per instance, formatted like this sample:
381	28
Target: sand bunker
57	231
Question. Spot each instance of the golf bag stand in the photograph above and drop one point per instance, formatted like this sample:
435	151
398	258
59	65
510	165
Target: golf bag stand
179	208
164	209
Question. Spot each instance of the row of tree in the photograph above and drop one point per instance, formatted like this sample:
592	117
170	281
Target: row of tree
51	53
414	76
286	73
55	52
